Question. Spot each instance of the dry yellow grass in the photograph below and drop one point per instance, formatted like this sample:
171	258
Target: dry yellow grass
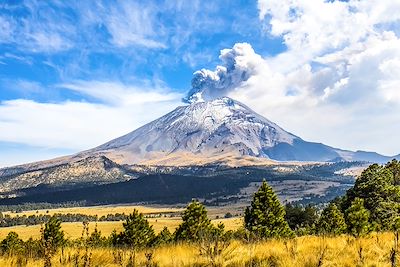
74	230
230	224
302	251
99	210
299	252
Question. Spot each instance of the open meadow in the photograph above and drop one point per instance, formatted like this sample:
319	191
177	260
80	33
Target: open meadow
99	210
372	250
73	230
375	249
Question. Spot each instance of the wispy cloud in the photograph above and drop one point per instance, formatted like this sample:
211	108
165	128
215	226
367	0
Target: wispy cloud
80	125
6	29
25	59
116	93
24	86
38	30
132	24
52	27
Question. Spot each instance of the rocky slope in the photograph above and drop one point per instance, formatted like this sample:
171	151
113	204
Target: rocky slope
90	170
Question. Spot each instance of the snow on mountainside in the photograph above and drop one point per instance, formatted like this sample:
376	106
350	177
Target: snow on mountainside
205	128
214	128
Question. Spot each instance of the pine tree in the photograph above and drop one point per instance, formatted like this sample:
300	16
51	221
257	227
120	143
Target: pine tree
301	217
164	237
137	231
12	244
95	239
53	236
195	225
357	218
266	216
379	187
331	221
394	167
52	239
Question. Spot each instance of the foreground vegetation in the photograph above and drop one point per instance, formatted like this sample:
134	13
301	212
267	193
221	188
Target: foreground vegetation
374	250
358	229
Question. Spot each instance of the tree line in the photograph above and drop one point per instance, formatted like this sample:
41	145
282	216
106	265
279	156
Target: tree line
8	220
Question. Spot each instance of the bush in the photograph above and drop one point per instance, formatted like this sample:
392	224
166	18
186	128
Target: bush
228	215
95	239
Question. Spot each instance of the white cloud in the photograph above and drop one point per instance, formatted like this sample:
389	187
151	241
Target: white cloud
337	82
6	29
132	24
35	32
116	93
52	27
342	60
24	87
80	125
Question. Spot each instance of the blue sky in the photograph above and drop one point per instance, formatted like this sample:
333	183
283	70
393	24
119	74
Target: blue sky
74	74
52	42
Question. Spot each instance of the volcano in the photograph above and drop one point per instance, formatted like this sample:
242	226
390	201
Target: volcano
216	129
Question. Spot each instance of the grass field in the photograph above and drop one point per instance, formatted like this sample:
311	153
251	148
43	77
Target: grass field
74	230
308	251
99	210
213	211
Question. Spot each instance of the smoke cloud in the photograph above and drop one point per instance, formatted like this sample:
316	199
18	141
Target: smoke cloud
238	65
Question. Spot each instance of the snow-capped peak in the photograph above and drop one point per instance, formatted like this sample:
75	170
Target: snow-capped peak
207	128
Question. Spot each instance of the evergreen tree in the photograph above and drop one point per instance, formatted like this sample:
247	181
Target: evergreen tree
218	231
164	237
379	187
95	239
357	218
12	244
137	231
114	239
394	168
52	235
266	216
299	217
52	239
331	221
195	225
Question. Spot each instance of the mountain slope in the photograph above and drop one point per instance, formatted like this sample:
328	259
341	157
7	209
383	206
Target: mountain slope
61	173
221	127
